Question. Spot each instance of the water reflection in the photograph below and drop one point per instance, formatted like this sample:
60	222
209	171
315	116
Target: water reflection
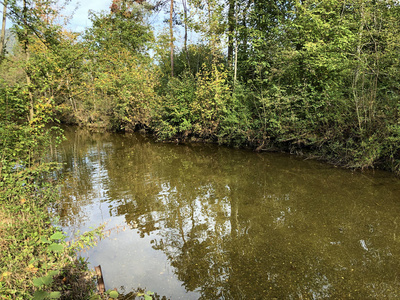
206	222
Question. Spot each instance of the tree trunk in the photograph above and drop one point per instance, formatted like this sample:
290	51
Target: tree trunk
359	72
231	30
3	29
235	64
26	52
211	31
186	30
172	37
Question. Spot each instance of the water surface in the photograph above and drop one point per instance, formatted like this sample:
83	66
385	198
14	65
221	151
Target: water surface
207	222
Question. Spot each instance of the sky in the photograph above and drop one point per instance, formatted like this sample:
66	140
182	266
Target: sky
80	17
79	9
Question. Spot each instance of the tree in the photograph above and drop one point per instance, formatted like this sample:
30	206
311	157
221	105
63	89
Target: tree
35	23
185	21
3	29
171	32
210	23
124	26
118	81
231	29
169	6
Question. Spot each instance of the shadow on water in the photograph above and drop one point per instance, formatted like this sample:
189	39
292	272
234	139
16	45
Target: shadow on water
206	222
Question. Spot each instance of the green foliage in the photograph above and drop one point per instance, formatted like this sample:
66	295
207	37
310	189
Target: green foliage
115	80
318	75
36	262
147	295
112	294
236	122
212	95
191	61
193	107
174	115
124	27
313	77
35	259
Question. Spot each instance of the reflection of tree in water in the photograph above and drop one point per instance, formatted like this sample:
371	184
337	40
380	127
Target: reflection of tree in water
263	247
76	174
192	243
225	255
240	226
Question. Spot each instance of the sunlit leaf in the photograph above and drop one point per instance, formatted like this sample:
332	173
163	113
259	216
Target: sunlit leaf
114	294
57	236
56	247
44	240
55	295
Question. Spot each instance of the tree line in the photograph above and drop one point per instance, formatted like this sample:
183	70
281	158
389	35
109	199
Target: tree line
311	77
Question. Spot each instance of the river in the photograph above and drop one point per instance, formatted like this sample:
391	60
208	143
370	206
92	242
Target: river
202	221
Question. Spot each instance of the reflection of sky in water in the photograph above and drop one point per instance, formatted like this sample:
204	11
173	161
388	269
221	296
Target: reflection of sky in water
127	258
231	224
129	261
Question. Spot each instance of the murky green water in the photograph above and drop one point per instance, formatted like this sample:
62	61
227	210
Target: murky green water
207	222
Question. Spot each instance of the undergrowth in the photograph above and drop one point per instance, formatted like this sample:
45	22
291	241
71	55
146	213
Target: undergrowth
35	260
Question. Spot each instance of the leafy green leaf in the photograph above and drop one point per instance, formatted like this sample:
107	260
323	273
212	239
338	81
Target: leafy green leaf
45	280
44	240
53	273
57	236
40	295
55	295
114	294
56	247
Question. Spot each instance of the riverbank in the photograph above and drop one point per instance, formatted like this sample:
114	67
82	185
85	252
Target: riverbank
345	154
35	260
